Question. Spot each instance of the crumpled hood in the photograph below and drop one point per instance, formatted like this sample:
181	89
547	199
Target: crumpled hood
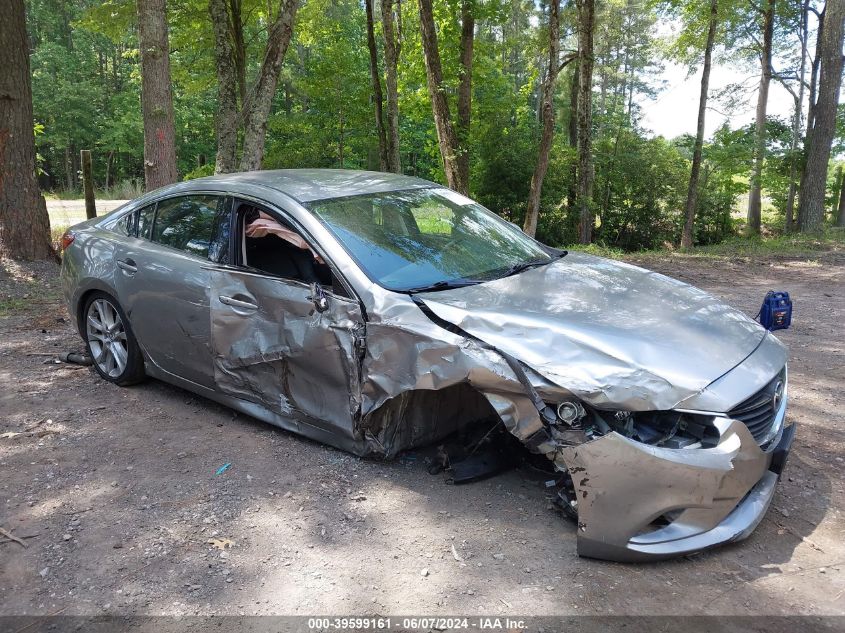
614	334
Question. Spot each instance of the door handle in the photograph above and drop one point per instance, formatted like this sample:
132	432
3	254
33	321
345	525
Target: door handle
237	303
128	265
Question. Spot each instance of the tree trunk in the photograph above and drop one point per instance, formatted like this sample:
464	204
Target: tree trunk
391	63
840	212
814	75
378	98
820	136
236	30
256	109
571	191
465	89
109	159
340	138
226	119
24	224
69	175
446	136
756	194
692	190
156	95
548	116
796	123
584	191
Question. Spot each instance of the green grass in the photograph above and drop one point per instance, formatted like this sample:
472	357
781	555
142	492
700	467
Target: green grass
124	190
808	246
13	306
793	245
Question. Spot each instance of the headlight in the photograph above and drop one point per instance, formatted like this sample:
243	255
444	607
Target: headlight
578	422
570	412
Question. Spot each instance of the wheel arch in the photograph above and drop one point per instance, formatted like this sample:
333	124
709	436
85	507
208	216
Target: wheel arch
94	286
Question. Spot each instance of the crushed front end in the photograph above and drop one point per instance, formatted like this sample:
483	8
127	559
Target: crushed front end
650	485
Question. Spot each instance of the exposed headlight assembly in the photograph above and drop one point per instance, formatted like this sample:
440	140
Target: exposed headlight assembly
576	422
570	412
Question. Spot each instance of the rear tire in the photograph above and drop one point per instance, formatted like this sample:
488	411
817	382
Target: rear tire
110	341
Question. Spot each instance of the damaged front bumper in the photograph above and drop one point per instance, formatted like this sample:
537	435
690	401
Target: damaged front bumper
638	502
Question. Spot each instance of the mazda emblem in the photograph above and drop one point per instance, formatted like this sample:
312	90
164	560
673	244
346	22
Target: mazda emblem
777	396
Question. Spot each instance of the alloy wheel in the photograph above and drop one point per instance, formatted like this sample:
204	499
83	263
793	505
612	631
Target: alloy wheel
107	338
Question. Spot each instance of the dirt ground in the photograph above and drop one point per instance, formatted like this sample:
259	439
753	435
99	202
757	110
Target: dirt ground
114	492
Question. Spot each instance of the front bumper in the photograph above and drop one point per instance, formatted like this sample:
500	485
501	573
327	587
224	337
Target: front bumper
638	502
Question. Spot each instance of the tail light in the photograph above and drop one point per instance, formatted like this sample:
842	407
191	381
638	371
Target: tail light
67	240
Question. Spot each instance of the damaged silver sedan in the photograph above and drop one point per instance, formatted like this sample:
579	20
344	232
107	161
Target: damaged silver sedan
379	312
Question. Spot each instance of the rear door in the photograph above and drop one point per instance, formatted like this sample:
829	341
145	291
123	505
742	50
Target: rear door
164	281
272	345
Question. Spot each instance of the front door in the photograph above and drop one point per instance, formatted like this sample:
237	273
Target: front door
273	346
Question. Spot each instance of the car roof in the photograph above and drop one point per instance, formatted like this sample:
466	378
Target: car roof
307	185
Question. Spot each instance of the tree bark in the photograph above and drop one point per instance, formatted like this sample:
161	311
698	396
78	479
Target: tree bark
88	184
378	98
840	212
24	224
756	193
236	29
692	190
391	64
465	89
69	175
156	95
571	191
820	135
226	119
584	191
446	136
257	106
789	221
532	214
814	74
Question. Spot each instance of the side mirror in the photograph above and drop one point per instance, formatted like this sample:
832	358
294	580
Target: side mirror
321	301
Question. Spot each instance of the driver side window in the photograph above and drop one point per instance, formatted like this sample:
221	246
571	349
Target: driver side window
272	246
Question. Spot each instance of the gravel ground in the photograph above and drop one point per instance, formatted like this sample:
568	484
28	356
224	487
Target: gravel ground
114	492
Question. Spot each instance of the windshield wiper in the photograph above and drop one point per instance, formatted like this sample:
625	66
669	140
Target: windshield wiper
443	285
518	268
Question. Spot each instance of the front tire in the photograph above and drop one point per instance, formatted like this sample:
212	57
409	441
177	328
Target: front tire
111	343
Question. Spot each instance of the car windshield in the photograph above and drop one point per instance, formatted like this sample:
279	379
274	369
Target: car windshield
427	239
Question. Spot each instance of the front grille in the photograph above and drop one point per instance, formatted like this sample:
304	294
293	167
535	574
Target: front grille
758	411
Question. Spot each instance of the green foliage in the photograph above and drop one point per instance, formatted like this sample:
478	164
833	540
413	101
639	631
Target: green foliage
86	89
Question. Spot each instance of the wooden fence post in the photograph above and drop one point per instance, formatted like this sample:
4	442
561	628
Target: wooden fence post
88	183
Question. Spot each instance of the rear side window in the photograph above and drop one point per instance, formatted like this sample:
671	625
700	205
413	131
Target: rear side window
187	223
145	221
125	225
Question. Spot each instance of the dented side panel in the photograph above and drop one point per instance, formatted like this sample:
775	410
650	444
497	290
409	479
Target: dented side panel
284	354
406	351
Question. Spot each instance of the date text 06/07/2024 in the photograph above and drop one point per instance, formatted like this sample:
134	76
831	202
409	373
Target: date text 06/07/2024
415	623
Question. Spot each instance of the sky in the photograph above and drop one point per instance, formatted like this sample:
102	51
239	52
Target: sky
675	110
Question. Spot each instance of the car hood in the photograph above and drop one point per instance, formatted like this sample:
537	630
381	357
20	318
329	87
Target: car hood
614	334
